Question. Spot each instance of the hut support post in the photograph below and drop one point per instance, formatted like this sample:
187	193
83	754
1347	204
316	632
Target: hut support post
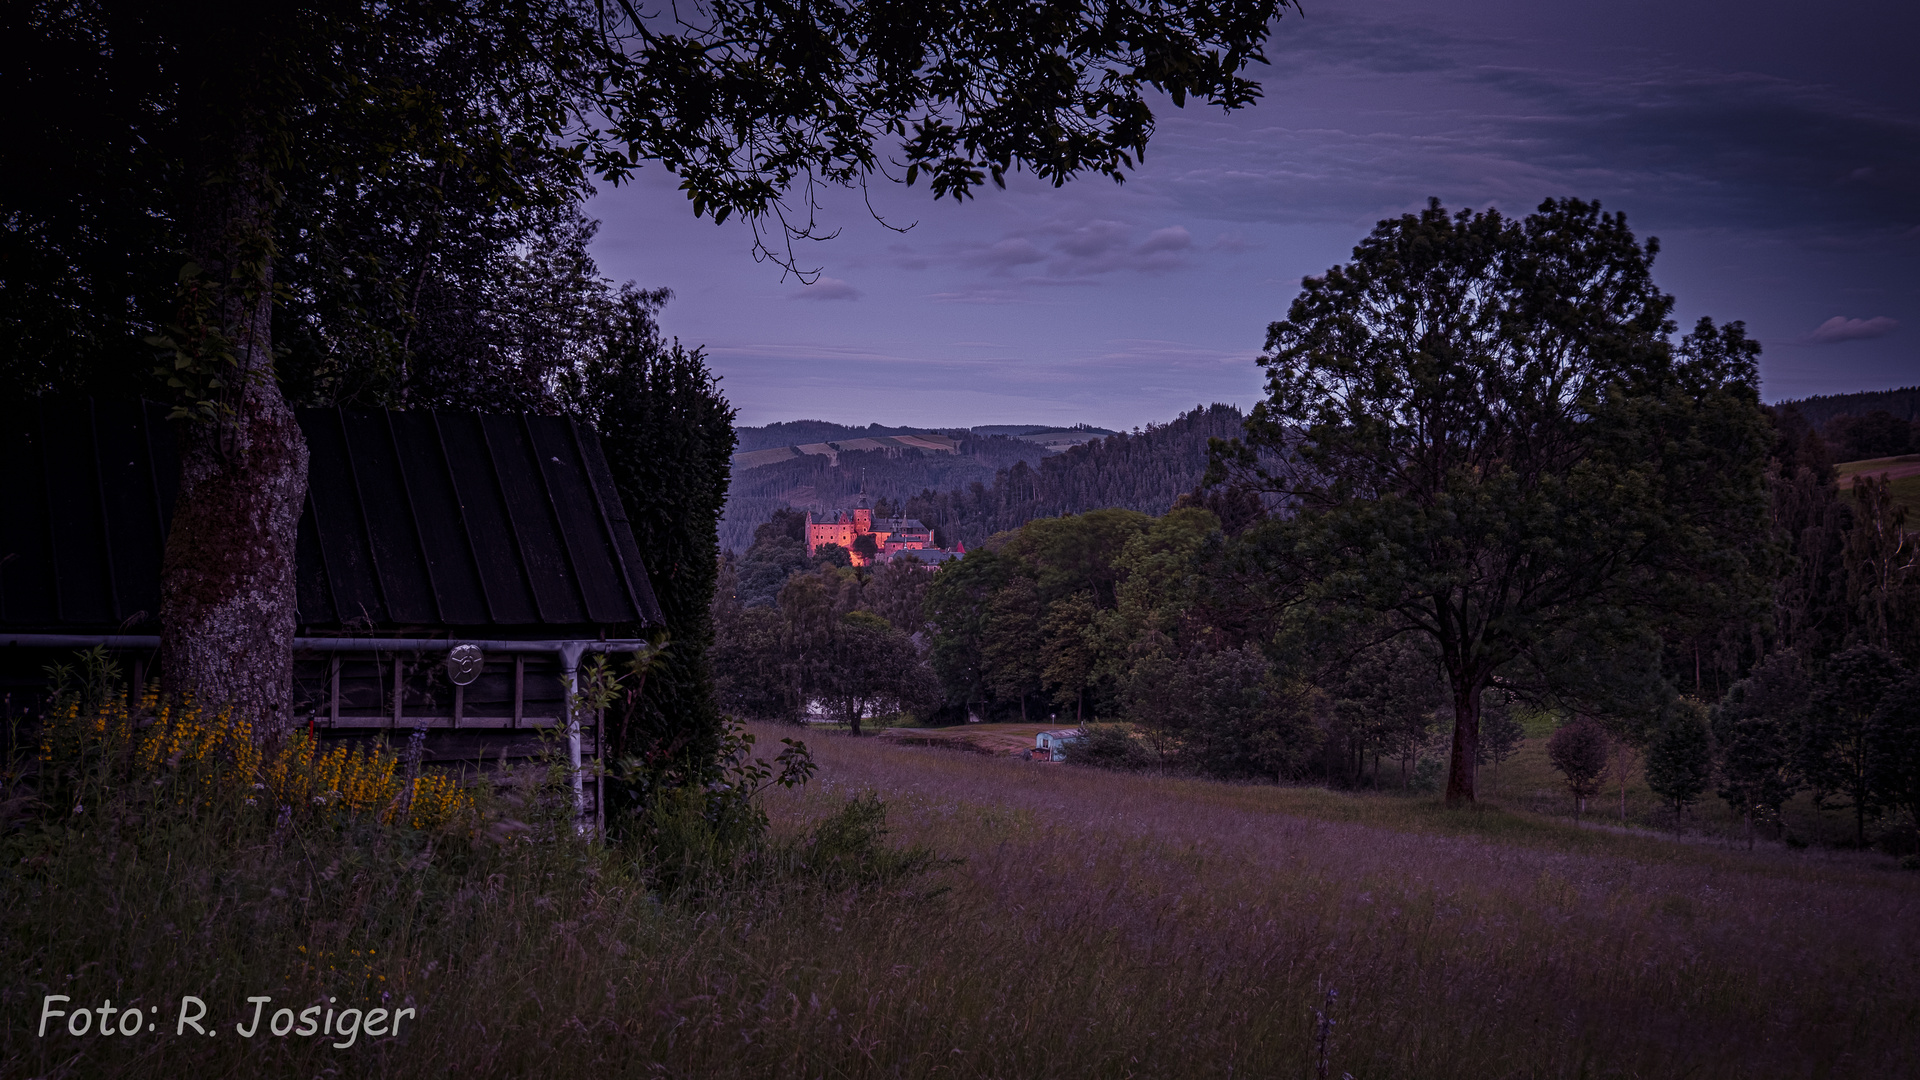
570	675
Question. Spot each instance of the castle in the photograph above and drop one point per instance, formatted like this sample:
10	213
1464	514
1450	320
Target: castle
890	536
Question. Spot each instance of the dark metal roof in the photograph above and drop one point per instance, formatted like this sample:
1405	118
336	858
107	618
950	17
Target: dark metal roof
414	520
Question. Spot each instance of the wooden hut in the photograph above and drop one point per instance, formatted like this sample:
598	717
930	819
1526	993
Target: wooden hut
423	531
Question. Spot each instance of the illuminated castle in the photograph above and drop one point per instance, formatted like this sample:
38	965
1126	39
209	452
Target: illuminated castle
890	536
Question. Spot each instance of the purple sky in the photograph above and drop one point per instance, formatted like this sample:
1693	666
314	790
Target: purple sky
1774	148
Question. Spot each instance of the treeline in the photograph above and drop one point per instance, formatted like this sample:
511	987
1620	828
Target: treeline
1144	471
1862	426
1820	409
1172	625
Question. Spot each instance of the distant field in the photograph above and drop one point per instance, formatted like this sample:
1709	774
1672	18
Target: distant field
1903	472
932	444
1107	924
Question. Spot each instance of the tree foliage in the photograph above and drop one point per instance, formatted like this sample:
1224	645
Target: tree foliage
1493	441
1836	750
747	102
1757	726
1680	756
1893	751
1579	752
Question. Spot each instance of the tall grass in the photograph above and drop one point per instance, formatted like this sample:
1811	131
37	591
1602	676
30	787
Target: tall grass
1095	924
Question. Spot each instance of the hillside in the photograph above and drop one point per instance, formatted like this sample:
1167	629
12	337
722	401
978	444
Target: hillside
801	432
993	478
768	479
804	432
1145	471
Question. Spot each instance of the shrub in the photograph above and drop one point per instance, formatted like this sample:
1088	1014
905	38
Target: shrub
1109	746
1426	775
1578	751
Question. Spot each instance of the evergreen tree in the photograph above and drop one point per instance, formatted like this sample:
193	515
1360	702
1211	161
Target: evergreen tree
1070	651
1755	726
1836	756
668	435
1011	654
1680	756
1893	748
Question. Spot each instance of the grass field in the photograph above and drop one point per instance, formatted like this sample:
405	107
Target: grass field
1903	474
1524	782
1086	924
1131	925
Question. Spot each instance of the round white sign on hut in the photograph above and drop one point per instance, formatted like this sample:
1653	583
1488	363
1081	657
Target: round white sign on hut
464	664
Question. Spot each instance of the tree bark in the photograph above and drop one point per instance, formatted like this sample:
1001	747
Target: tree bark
228	602
1466	741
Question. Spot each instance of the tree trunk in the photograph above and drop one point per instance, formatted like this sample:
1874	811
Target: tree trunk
228	604
1466	741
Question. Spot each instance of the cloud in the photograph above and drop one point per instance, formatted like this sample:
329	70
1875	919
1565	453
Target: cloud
1175	238
1076	252
1009	253
828	288
1840	328
1732	148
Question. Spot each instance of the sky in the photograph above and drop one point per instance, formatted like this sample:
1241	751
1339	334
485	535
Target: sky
1773	148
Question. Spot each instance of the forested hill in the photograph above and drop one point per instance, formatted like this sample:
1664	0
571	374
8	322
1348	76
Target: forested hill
995	482
1819	410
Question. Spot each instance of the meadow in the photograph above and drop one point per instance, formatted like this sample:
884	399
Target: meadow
1903	478
1078	923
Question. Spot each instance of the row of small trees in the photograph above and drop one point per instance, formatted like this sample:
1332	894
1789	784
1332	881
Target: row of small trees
1849	735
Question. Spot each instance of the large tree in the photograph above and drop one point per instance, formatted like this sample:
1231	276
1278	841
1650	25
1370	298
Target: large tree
236	133
1491	439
